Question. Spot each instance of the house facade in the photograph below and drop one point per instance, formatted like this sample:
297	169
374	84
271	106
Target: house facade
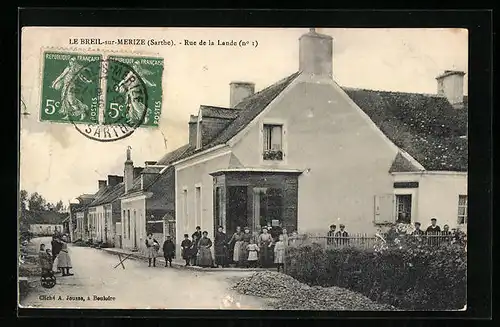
81	231
147	205
45	229
305	152
104	211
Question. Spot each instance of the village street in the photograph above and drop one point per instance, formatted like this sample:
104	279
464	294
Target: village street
137	286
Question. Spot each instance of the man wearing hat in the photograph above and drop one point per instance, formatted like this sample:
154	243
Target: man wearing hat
342	235
331	234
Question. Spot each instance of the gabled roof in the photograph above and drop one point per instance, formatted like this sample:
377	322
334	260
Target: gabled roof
251	107
425	126
164	161
219	112
109	194
173	155
247	110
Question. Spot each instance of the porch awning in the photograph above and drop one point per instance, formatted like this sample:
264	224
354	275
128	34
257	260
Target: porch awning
260	170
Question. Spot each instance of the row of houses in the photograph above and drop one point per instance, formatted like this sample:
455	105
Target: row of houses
302	153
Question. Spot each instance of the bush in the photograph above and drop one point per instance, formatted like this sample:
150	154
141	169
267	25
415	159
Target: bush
413	277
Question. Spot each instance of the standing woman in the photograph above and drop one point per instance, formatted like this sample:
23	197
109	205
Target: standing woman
63	258
205	258
235	243
245	240
265	243
220	248
152	247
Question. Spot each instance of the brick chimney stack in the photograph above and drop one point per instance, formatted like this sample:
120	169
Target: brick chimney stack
316	54
128	172
102	184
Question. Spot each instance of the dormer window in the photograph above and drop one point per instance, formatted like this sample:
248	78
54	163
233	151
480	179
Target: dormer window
273	142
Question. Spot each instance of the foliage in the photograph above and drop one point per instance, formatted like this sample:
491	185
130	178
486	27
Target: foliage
34	209
404	272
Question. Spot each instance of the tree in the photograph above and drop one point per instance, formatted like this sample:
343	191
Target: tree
37	203
24	200
59	206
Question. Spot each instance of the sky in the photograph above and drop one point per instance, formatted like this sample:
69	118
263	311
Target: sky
60	163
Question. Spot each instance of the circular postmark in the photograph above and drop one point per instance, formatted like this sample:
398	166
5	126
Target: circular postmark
106	100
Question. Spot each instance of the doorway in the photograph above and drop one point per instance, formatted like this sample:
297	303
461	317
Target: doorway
237	208
403	208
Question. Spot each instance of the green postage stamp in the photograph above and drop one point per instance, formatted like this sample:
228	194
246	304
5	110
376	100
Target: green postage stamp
62	98
127	75
73	84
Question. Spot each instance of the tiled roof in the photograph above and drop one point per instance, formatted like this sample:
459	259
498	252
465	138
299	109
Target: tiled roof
248	109
164	161
425	126
173	155
219	112
152	170
109	194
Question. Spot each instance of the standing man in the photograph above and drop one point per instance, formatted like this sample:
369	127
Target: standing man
342	236
433	232
433	228
331	234
198	233
417	231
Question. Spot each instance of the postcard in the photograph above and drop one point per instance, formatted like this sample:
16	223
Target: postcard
243	168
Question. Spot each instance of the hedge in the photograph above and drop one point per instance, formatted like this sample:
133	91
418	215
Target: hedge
418	278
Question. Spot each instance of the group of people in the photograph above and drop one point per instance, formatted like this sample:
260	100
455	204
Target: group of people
243	248
47	258
340	237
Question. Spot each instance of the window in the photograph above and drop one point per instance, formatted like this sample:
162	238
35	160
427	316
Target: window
462	209
218	206
124	224
273	142
271	206
128	224
185	209
198	205
403	208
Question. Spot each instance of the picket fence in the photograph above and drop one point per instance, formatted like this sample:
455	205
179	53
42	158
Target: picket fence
364	241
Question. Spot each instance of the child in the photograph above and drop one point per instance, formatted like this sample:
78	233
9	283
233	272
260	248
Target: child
279	253
168	251
253	253
45	261
186	249
194	249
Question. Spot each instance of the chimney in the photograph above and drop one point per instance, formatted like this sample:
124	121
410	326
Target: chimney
193	128
102	184
114	180
137	171
128	172
240	91
450	84
316	54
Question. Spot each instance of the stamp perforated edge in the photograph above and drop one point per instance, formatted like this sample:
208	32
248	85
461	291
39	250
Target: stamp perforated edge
90	51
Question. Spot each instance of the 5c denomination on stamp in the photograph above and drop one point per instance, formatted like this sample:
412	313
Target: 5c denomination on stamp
61	100
124	74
